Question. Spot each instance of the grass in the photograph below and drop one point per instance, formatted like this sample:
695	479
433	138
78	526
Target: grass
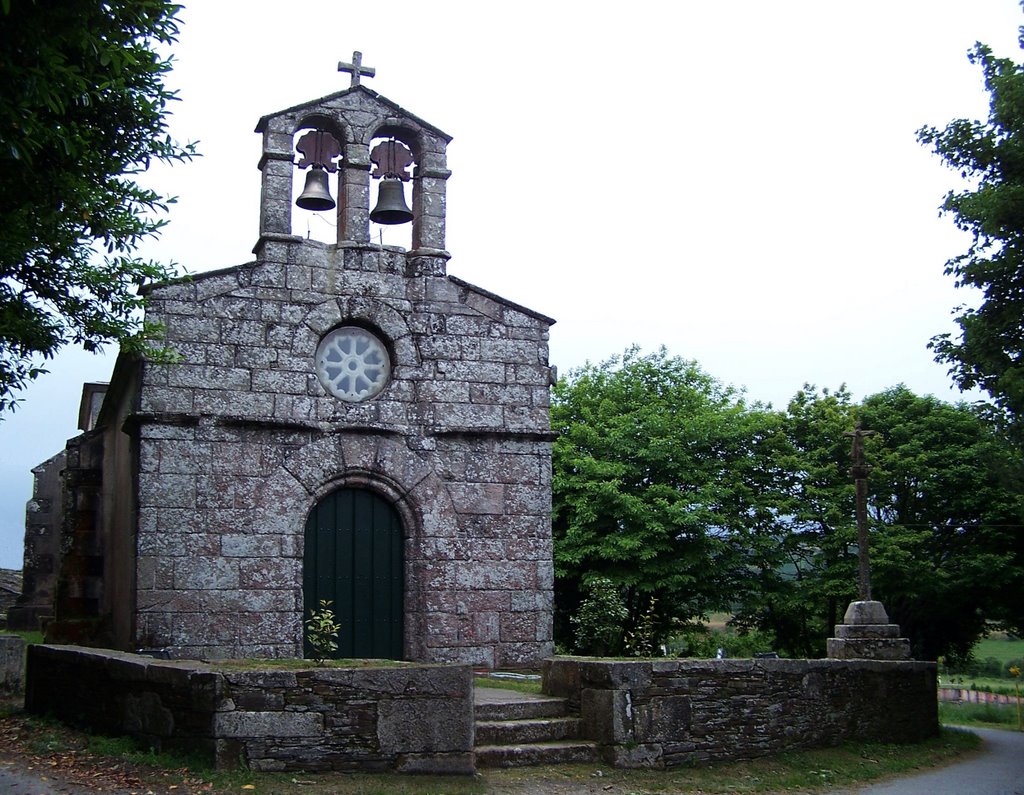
28	637
292	664
987	716
848	765
1000	647
519	685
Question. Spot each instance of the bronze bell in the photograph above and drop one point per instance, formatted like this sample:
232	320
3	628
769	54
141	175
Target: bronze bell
391	207
316	195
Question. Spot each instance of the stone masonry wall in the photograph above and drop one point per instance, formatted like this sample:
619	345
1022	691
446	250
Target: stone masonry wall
43	521
239	440
408	718
682	712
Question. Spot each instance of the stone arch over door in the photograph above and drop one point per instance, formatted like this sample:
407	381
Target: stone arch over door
354	558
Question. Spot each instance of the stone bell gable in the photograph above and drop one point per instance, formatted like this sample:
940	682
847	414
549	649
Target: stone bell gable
355	117
330	380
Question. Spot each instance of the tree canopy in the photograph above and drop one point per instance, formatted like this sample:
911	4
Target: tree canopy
989	351
83	110
657	472
668	486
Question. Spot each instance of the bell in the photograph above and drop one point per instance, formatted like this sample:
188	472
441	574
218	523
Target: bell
391	207
316	195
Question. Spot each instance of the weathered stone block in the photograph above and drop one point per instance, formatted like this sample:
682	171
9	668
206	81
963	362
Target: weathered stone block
12	663
275	725
205	573
426	724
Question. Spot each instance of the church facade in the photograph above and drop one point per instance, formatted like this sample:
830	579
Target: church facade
347	424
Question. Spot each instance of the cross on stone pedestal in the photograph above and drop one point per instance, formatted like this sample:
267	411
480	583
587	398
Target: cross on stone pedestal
356	68
860	470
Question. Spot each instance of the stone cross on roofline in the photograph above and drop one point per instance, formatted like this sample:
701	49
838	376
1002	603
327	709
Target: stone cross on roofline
356	68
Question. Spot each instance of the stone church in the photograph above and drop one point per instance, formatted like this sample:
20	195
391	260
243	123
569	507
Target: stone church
346	422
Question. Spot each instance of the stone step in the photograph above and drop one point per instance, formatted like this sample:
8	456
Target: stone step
521	709
527	754
534	730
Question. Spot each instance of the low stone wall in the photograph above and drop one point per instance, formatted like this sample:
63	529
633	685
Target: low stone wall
683	712
12	663
404	717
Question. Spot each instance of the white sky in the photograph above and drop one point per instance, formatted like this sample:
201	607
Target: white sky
739	181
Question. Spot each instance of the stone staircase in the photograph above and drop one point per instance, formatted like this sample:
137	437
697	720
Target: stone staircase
518	729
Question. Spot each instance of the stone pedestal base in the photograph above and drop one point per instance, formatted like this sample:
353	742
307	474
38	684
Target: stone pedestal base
866	634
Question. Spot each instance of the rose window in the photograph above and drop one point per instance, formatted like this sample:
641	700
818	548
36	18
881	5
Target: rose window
352	364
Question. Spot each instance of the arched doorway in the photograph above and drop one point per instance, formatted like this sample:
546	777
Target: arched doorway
354	559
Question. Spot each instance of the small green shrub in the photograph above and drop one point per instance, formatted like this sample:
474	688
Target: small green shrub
644	640
322	632
703	642
598	623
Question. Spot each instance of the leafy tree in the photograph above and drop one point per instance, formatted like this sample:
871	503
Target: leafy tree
82	112
947	509
989	352
803	566
657	469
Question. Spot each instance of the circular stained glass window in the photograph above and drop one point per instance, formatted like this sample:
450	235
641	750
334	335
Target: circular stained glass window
352	364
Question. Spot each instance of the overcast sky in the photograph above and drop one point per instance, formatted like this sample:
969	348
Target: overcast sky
739	181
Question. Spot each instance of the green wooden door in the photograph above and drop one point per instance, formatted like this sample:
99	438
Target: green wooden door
354	559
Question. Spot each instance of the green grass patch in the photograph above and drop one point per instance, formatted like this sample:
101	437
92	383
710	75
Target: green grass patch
28	637
519	685
297	665
1000	647
846	766
991	716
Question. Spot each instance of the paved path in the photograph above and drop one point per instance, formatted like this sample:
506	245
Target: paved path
16	780
997	770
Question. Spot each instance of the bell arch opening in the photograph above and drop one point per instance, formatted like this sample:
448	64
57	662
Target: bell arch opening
319	145
393	163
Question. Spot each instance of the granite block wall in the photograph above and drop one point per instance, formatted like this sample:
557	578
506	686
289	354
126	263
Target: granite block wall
238	441
668	713
407	718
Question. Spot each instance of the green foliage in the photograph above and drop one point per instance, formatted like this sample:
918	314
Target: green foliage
989	352
83	111
946	503
644	640
666	484
802	565
598	622
322	632
703	642
657	468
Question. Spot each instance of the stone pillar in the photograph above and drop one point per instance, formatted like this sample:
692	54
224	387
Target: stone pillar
276	194
429	205
354	194
866	634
